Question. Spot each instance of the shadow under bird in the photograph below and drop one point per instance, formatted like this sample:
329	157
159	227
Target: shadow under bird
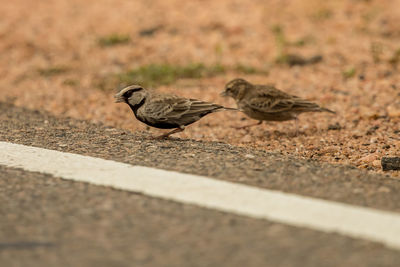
165	111
267	103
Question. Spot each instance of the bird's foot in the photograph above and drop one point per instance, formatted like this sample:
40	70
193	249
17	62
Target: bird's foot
166	135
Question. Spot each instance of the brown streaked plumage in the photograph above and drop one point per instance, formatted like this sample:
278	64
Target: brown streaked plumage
267	103
165	111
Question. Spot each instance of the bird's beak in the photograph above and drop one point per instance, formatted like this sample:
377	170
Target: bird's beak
118	98
224	94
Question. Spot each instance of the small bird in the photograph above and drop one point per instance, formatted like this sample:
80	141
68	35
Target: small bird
267	103
165	111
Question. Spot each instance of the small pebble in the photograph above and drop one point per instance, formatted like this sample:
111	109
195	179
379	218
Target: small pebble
390	163
376	163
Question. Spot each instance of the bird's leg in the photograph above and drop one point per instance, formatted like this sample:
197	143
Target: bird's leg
296	123
247	126
177	130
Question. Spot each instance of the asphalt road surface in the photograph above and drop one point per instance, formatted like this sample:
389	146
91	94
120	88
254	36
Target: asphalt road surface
47	221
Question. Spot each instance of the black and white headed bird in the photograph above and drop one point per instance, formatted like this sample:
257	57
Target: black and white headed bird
165	111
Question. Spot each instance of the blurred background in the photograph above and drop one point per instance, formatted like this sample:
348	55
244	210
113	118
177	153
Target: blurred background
68	57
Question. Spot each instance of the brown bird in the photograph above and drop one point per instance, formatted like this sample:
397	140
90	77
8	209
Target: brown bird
165	111
266	103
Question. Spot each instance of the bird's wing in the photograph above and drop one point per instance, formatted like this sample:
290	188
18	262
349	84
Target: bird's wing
199	107
162	108
269	99
174	109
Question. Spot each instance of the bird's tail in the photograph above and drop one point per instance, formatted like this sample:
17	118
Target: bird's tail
203	108
226	108
308	106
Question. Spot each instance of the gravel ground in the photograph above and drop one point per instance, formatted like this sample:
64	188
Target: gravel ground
51	59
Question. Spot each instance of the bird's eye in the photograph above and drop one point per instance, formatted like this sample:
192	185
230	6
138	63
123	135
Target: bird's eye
128	94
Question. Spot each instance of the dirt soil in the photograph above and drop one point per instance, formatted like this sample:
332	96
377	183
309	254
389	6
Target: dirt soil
50	59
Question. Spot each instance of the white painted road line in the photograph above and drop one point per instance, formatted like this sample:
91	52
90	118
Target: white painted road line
316	214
